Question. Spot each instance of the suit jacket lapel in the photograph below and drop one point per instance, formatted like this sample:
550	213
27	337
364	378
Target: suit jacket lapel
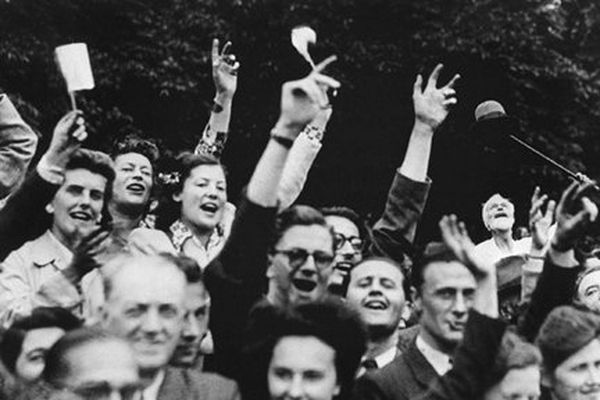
173	386
420	367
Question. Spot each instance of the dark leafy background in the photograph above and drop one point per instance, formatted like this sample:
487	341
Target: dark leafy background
540	59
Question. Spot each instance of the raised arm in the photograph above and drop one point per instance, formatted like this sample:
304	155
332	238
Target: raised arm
39	188
235	279
302	155
556	284
18	143
224	72
456	237
396	228
540	221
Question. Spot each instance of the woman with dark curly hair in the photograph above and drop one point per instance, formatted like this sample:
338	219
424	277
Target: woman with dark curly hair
194	209
308	351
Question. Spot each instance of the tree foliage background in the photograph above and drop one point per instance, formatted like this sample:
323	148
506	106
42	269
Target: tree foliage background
539	58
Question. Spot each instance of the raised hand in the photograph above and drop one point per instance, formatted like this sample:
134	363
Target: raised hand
574	214
302	100
87	254
455	235
224	69
432	104
68	135
540	220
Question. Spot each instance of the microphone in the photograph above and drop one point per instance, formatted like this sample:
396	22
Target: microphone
491	120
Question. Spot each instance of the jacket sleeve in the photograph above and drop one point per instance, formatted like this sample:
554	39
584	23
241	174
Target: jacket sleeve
16	295
368	388
394	232
235	281
300	160
555	287
24	218
474	359
18	143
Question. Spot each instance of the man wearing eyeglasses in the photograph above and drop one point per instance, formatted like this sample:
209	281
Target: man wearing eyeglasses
301	257
348	232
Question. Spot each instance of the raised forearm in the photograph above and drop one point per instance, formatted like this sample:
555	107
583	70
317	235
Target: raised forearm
416	159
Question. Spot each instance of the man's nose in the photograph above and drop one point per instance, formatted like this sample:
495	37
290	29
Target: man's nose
191	328
295	389
460	304
151	322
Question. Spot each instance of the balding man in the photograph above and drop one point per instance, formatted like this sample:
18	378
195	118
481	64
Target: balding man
145	304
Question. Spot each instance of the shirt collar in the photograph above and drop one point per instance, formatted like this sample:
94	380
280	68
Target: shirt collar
49	250
181	233
381	360
440	361
151	392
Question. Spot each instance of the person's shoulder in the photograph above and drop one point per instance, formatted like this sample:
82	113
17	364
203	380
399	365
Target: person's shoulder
210	377
389	373
486	244
523	245
39	251
206	385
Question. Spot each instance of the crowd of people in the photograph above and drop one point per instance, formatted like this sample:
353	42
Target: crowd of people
119	282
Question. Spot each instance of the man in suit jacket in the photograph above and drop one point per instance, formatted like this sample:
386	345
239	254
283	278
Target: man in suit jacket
376	292
444	289
145	304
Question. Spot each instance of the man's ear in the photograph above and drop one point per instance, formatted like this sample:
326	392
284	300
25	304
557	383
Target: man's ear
269	273
546	380
337	389
49	208
416	297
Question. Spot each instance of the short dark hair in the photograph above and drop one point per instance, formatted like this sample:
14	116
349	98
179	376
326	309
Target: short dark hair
514	353
133	143
294	216
57	367
405	281
172	183
40	317
189	266
329	320
94	161
349	214
434	252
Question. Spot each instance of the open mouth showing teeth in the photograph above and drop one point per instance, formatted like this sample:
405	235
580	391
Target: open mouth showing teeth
376	305
80	216
209	207
457	326
501	215
304	285
343	266
136	187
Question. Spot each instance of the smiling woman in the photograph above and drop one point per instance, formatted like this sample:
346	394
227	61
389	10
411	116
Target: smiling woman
194	209
309	351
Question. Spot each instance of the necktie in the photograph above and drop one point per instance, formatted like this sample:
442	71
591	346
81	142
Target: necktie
369	364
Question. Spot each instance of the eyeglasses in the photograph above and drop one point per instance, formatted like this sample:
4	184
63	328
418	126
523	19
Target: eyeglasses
340	240
297	257
104	391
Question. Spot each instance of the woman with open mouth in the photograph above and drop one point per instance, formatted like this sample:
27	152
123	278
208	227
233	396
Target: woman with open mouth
195	213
